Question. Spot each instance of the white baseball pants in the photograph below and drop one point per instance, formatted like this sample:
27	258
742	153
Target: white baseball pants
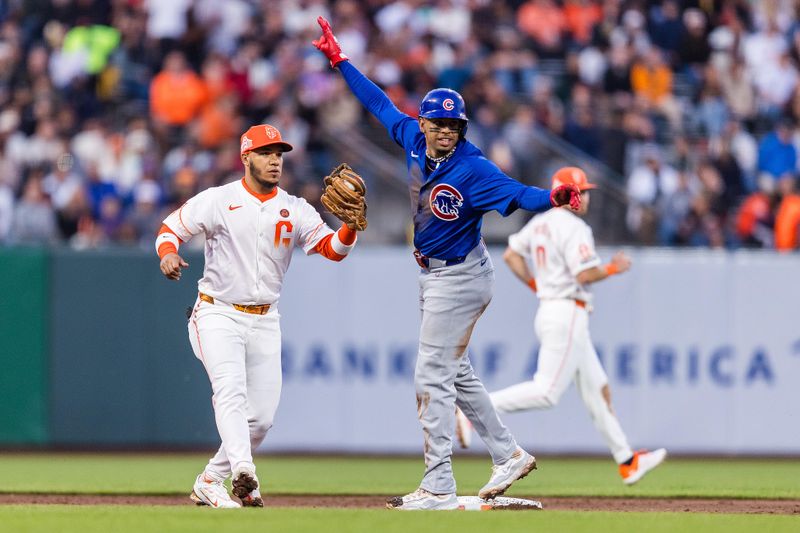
241	353
566	353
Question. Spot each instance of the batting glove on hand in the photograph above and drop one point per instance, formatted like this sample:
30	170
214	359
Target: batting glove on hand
328	44
566	194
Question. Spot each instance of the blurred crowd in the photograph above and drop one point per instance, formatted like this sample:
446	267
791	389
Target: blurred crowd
114	112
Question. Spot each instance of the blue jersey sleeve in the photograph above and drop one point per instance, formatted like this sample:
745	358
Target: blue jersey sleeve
402	128
493	190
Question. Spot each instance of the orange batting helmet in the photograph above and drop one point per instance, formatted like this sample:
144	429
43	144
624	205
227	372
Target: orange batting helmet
574	176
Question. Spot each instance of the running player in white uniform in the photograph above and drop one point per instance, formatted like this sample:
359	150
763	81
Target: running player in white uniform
560	245
251	227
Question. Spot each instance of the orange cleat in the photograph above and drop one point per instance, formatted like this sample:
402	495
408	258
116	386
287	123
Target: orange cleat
643	462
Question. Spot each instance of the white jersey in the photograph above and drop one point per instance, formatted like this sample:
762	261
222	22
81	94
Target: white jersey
560	245
249	243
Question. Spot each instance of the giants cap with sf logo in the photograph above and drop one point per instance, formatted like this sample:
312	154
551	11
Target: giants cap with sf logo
262	135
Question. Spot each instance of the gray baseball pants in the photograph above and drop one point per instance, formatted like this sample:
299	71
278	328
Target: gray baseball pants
452	298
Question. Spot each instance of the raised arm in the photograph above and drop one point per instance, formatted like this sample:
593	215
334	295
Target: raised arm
369	94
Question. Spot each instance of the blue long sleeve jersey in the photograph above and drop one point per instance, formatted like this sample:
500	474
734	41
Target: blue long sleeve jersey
450	201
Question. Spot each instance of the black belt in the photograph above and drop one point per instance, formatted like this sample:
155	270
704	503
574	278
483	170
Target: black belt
432	262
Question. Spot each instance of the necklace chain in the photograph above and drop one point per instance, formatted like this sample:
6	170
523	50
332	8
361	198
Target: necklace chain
438	160
442	158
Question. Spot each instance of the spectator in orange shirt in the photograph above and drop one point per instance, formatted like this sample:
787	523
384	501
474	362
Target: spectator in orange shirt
580	17
218	121
651	77
544	23
787	219
176	94
651	80
754	221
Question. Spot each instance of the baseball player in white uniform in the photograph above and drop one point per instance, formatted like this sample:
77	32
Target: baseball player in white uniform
560	246
250	227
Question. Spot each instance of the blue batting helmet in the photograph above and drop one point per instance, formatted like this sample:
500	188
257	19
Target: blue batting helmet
444	103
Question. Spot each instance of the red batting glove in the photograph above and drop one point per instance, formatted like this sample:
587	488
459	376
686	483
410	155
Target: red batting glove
328	45
566	194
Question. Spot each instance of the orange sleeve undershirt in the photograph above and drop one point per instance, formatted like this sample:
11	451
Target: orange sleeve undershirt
532	284
167	247
324	247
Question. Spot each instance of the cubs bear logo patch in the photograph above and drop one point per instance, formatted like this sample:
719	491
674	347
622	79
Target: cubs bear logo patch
285	213
445	202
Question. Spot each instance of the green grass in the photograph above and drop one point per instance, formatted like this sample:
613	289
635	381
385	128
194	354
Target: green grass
174	474
193	520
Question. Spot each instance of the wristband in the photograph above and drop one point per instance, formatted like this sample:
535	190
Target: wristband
347	235
611	269
165	249
532	284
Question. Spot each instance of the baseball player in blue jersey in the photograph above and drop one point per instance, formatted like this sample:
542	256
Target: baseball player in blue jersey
454	185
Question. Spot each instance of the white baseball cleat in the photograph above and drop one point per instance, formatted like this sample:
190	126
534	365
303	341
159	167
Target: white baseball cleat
504	475
422	500
207	491
643	462
244	483
463	429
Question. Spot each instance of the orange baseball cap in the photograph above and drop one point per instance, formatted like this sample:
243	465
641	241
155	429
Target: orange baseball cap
262	135
573	175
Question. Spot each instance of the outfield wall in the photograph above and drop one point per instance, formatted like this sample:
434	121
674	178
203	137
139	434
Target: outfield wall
702	351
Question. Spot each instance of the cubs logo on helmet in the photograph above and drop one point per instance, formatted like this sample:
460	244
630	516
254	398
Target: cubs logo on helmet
443	103
446	201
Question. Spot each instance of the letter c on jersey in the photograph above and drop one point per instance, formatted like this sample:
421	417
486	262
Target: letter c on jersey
283	233
445	201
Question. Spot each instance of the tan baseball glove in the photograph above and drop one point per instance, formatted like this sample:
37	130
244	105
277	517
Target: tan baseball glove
344	197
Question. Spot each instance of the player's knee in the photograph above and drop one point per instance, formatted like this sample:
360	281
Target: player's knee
606	393
259	427
550	400
532	395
